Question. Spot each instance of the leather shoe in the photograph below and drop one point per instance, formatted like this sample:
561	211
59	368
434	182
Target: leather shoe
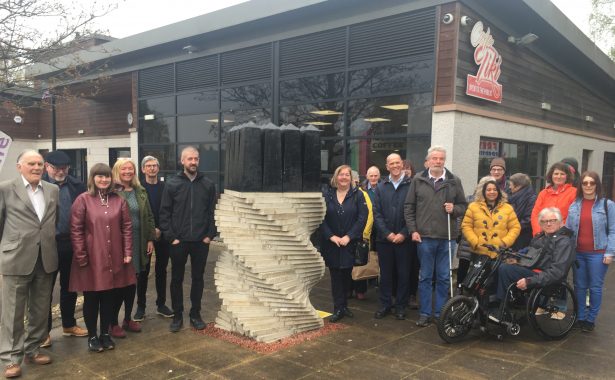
423	321
74	331
197	322
337	316
47	342
12	370
39	359
94	344
131	325
348	313
117	332
400	315
382	313
176	324
106	342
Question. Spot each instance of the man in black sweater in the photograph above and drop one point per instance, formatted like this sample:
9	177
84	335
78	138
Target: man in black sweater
187	222
154	187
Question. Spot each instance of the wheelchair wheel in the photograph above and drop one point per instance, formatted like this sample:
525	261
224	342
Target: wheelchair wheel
456	318
552	310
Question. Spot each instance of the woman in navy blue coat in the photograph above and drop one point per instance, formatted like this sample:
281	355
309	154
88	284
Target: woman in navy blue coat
342	228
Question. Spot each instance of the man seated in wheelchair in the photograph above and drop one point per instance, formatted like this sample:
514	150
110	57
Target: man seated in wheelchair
546	262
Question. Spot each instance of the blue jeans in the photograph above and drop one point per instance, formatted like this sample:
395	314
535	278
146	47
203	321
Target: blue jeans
433	254
589	276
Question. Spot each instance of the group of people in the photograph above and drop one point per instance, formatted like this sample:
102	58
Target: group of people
418	219
99	238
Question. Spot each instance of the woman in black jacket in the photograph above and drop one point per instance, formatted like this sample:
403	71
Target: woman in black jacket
522	200
342	228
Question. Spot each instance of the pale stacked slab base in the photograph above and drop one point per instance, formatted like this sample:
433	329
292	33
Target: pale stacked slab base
268	267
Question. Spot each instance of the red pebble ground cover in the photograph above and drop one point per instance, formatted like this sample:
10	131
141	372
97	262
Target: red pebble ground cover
266	348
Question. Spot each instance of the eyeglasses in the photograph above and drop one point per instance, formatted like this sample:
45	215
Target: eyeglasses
59	168
549	221
588	183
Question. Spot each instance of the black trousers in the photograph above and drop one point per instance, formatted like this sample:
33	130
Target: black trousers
162	261
98	302
340	286
393	258
179	253
67	299
124	296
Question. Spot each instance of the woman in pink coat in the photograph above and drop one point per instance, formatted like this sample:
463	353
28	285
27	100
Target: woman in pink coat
101	234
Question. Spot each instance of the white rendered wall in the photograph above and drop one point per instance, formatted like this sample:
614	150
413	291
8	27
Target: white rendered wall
460	134
97	150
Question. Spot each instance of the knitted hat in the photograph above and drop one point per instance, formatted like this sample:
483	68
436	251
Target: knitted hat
498	161
573	163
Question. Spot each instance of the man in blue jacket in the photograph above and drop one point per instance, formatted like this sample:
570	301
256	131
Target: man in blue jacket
392	240
434	193
187	222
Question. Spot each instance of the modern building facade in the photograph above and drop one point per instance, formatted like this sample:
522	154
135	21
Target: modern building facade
375	77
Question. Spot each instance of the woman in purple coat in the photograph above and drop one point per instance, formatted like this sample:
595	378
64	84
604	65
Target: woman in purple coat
101	234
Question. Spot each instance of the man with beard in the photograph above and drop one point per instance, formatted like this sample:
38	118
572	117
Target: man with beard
187	222
57	165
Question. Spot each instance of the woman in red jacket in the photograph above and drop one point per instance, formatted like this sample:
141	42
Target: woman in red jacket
559	193
101	233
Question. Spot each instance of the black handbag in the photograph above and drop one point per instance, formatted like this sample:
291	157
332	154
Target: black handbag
361	253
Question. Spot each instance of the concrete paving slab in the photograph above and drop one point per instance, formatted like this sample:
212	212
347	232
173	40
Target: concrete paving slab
366	349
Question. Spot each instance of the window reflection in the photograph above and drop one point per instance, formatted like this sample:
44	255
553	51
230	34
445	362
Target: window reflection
326	116
309	89
157	106
331	156
237	117
250	96
407	78
199	102
165	155
378	116
198	128
158	130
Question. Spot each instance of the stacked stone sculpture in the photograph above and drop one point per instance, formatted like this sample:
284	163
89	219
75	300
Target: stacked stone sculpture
270	206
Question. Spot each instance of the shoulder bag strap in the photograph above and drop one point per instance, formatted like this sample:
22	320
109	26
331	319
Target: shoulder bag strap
606	212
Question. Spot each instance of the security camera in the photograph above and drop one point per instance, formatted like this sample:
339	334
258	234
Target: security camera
448	18
466	21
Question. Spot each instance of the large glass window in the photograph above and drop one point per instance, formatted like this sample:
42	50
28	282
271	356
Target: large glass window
158	107
378	116
237	117
199	128
326	116
199	102
249	96
521	157
164	153
403	78
158	130
309	89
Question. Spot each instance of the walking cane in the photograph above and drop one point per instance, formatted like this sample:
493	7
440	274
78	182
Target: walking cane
450	255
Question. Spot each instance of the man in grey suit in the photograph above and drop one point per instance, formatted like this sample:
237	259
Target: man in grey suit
28	258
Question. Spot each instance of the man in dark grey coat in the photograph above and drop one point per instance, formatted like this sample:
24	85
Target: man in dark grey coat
435	199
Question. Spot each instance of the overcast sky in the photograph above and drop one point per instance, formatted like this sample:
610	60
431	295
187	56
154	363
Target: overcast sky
136	16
